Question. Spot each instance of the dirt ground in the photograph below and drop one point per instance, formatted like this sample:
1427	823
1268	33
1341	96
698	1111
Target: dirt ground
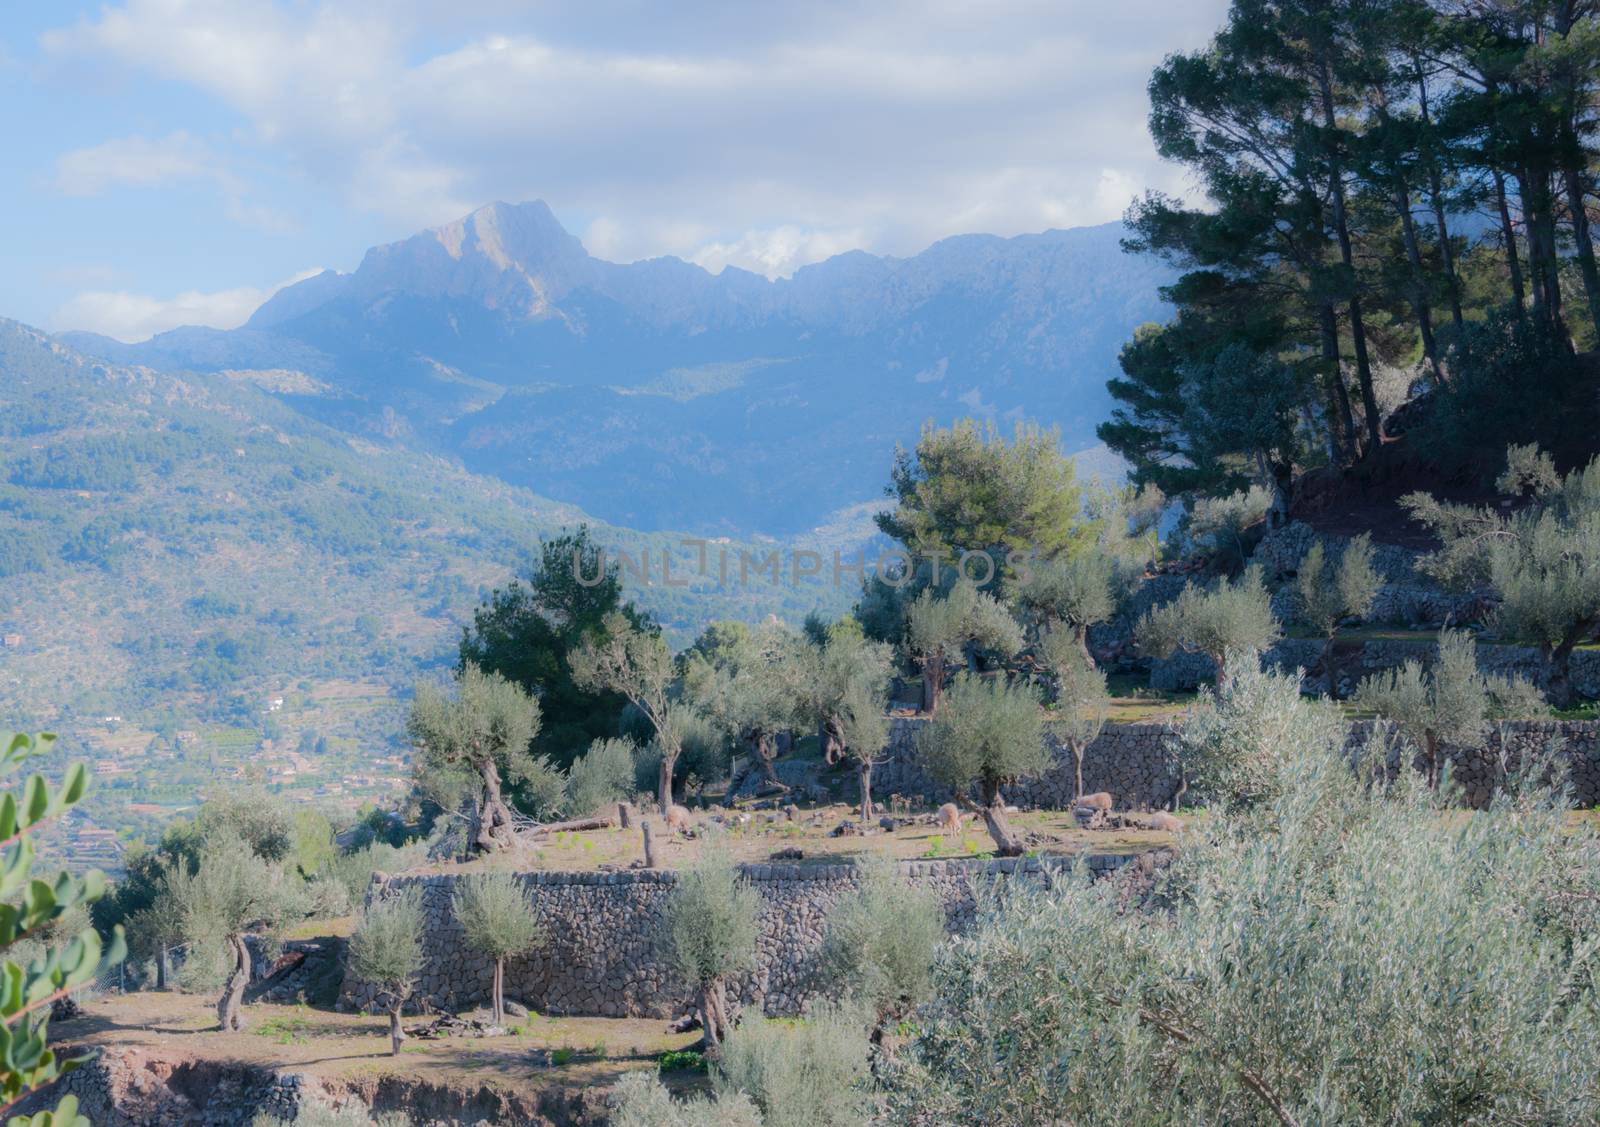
757	835
541	1051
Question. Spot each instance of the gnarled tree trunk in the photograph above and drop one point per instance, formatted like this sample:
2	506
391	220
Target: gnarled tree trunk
1006	841
669	760
228	1006
765	747
491	830
715	1020
864	773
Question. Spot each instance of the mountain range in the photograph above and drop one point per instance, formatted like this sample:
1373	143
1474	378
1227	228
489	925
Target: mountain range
657	395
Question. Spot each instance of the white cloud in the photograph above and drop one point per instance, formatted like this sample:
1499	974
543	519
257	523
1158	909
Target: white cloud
757	136
132	317
777	251
133	160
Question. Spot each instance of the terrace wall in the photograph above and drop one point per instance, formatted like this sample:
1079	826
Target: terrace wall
602	957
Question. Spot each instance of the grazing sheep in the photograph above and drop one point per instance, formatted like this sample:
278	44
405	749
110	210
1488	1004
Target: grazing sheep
1100	800
677	819
1161	820
950	819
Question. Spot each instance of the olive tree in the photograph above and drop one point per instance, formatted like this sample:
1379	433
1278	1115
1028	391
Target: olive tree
635	663
231	891
939	628
881	940
844	682
386	952
751	687
45	955
1069	594
468	744
1302	949
709	930
840	656
498	921
1327	596
1542	559
1228	621
989	734
601	776
1449	702
1081	699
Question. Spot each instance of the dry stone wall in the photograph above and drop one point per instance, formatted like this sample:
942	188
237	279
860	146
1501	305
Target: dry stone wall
1135	762
602	958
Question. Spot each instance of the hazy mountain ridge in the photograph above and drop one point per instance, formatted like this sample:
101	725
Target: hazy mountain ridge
499	340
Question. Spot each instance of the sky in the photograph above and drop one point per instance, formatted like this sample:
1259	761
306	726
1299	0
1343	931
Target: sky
176	161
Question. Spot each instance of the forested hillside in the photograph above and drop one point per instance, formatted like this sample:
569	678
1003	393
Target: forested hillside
180	552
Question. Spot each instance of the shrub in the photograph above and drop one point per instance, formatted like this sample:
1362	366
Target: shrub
1340	953
601	777
641	1100
809	1073
1236	740
499	921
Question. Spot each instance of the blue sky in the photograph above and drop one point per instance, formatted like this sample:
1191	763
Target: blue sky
173	162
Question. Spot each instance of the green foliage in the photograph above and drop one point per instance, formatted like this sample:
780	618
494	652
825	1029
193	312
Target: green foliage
483	730
353	870
601	776
709	927
1486	403
352	1113
1231	621
261	821
1074	591
1448	703
989	732
808	1073
496	915
232	889
30	909
386	947
1309	943
882	939
525	632
682	1060
641	1100
1232	744
1327	596
967	490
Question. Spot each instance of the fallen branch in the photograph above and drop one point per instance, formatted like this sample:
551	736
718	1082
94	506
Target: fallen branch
604	823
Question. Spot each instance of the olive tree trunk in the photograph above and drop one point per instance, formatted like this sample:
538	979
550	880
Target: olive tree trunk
499	991
492	829
864	773
669	760
715	1020
1006	841
766	753
932	682
228	1006
396	1034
